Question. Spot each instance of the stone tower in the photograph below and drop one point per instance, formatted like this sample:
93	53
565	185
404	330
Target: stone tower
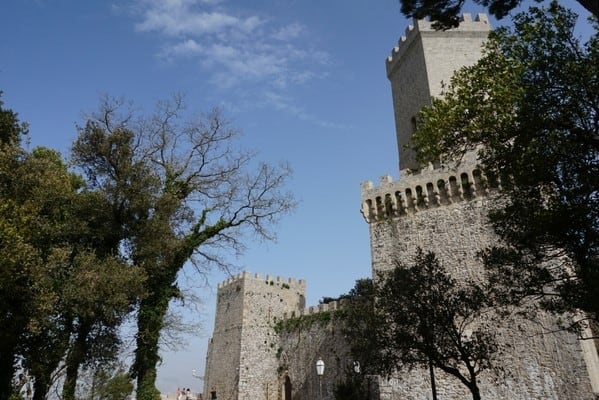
445	210
241	361
424	58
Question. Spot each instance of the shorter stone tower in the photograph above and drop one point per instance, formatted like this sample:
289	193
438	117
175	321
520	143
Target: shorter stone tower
241	354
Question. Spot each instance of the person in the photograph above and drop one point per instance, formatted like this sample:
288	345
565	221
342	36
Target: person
188	394
213	393
179	394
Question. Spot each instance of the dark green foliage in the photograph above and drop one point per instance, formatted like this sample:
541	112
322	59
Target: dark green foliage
446	13
295	324
418	314
63	288
353	387
532	103
11	130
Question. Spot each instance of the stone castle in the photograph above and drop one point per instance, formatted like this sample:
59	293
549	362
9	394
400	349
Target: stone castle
439	209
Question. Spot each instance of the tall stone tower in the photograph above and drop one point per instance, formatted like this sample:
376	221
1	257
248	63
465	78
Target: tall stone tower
445	211
241	361
423	58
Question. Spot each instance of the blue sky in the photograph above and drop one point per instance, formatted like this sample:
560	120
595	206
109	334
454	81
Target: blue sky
304	80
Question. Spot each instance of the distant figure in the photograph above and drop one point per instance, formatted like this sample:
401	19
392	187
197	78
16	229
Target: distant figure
179	394
213	393
188	394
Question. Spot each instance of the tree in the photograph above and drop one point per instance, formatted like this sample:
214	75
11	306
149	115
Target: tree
530	109
109	381
360	317
445	13
80	291
33	186
11	130
424	317
183	194
63	291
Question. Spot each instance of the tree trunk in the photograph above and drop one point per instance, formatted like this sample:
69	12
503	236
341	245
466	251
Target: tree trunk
7	368
74	359
474	389
432	373
41	385
150	322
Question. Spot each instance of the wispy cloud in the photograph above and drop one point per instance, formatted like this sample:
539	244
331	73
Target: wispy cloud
233	49
286	104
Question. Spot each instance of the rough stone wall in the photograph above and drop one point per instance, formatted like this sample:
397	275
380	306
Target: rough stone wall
534	363
422	59
241	361
302	347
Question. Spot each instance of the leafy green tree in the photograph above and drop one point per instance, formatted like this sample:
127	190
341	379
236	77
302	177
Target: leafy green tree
184	194
107	381
360	318
530	109
445	13
86	291
11	130
24	289
63	288
420	316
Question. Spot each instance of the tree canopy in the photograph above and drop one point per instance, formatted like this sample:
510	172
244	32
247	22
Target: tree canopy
418	315
530	109
63	292
445	13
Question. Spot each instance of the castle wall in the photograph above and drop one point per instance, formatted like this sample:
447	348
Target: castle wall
534	362
300	348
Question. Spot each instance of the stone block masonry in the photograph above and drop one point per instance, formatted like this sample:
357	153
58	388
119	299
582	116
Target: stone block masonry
535	361
241	353
423	59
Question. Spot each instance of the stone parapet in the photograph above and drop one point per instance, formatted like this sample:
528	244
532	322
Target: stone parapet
479	24
423	190
288	283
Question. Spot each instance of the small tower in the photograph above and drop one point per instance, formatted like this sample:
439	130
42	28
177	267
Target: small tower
241	355
424	58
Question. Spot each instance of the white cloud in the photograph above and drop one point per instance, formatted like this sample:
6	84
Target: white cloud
288	32
247	48
187	47
235	49
285	103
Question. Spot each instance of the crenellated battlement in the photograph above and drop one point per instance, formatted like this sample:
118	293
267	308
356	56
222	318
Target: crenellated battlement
288	283
324	307
479	24
416	192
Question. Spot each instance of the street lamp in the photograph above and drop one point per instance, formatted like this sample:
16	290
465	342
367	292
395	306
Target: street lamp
320	373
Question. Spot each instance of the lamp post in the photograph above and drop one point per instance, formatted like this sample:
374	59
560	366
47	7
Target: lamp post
195	375
320	373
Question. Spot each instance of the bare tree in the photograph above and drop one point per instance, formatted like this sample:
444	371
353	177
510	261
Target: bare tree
182	192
